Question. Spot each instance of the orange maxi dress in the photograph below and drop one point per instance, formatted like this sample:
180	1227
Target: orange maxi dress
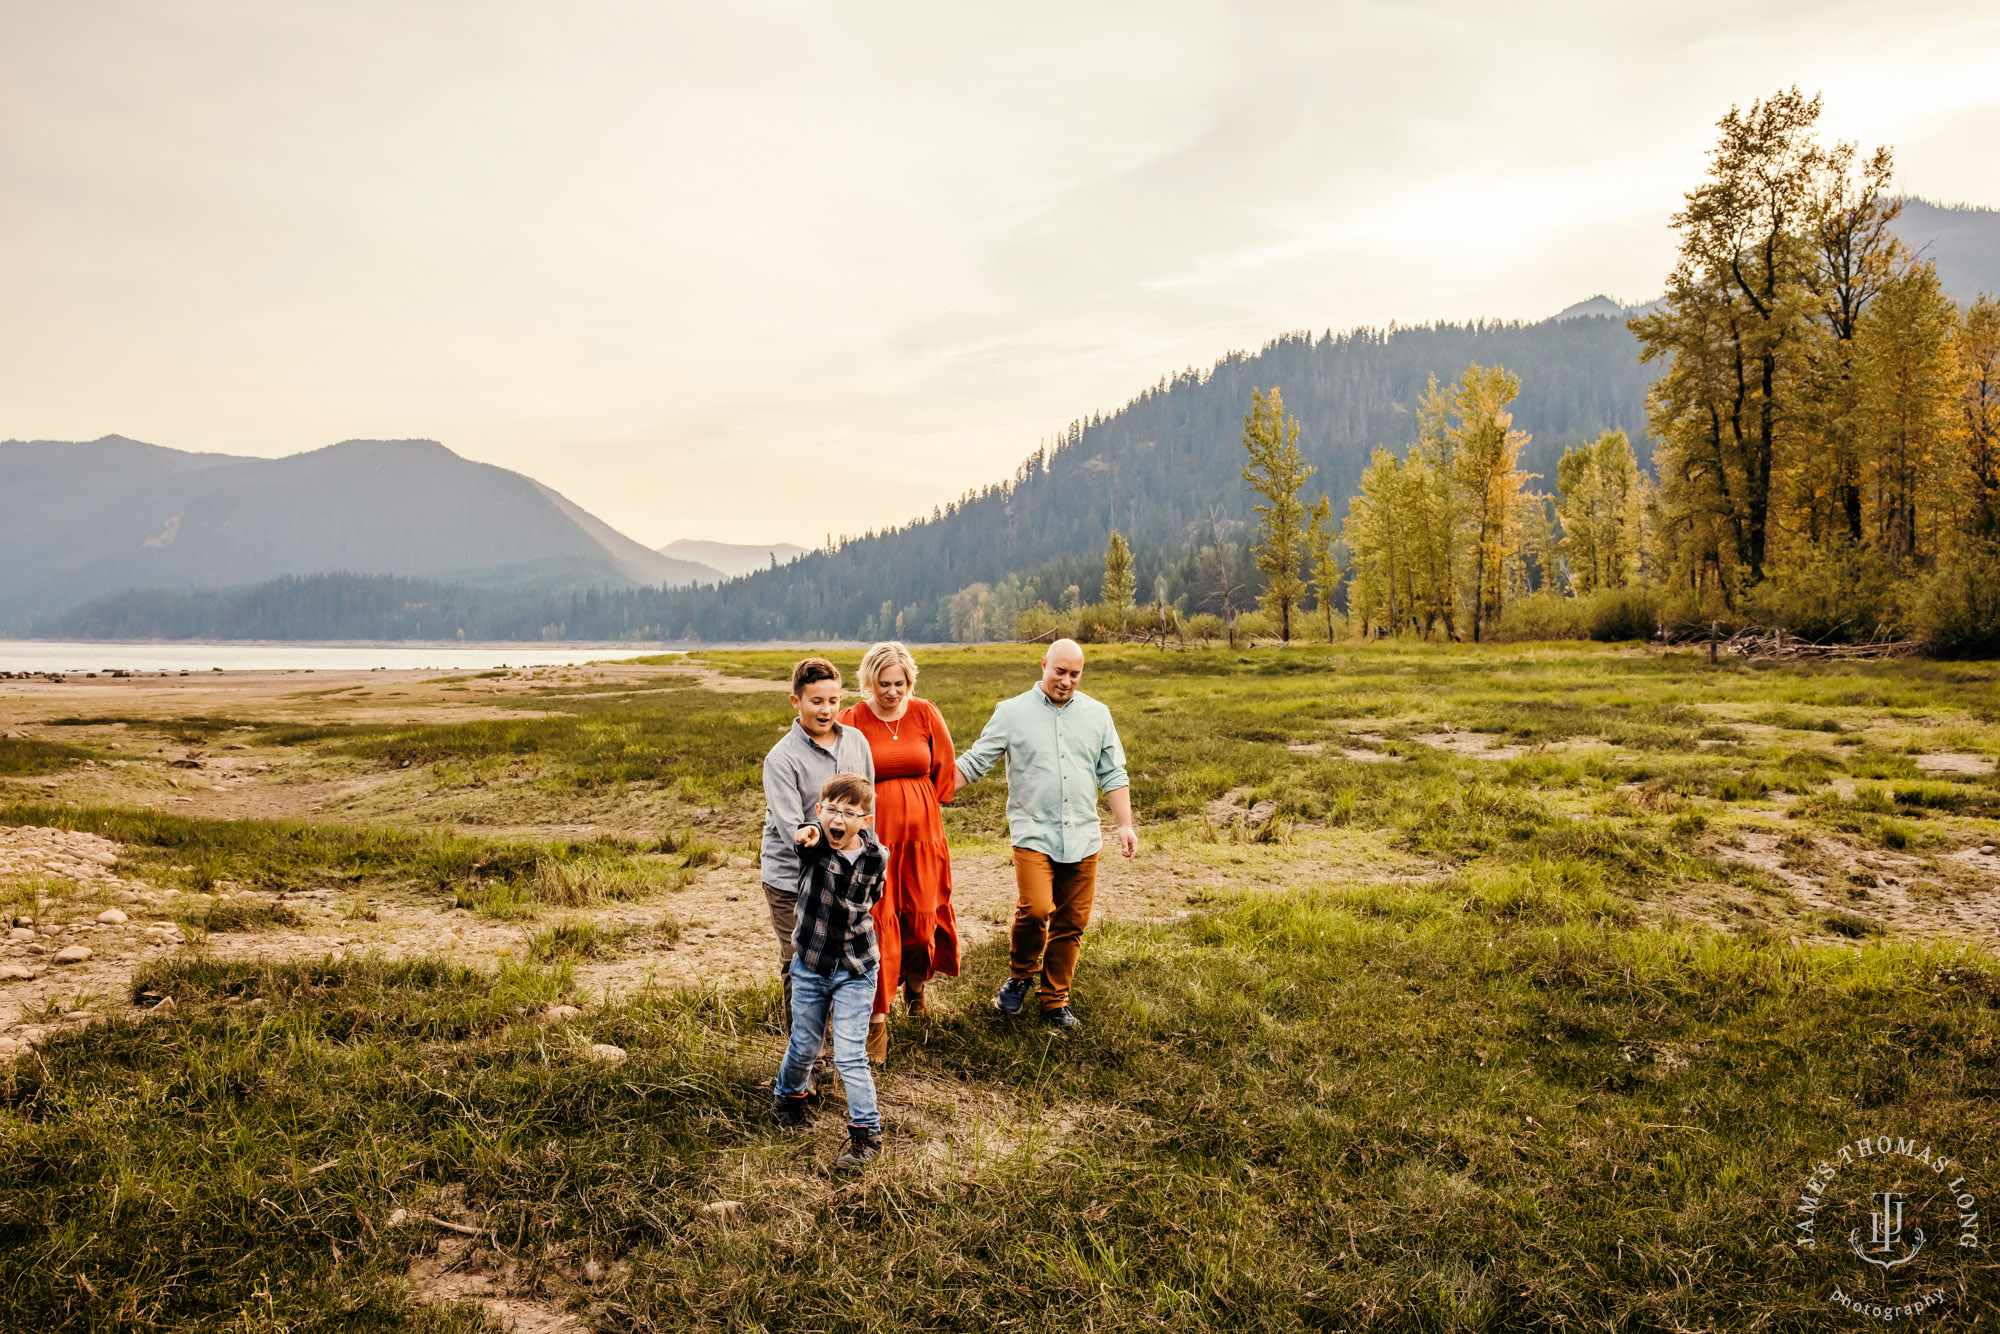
915	773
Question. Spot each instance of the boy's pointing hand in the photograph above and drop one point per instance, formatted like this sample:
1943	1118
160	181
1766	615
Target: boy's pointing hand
807	835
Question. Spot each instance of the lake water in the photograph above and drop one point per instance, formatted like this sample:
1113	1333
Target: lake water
40	655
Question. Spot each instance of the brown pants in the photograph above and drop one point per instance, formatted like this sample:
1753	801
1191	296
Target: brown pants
1049	918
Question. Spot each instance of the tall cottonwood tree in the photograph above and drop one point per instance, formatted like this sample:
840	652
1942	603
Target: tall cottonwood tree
1277	472
1380	521
1437	513
1601	503
1742	228
1853	255
1906	373
1321	535
1978	348
1485	451
1737	307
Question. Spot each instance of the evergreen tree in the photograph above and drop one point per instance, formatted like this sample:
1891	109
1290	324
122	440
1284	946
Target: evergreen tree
1120	583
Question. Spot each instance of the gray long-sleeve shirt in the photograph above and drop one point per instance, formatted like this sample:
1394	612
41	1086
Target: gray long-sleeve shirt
794	771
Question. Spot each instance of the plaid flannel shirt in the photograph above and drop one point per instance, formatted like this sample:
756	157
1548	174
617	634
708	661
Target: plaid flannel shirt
835	926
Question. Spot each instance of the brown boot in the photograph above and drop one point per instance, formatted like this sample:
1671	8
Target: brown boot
878	1039
914	1002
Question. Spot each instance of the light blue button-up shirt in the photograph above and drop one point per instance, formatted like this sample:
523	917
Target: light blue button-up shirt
1059	758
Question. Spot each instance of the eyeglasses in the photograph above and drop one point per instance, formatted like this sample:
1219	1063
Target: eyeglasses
845	812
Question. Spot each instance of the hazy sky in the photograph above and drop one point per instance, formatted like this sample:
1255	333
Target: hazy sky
754	272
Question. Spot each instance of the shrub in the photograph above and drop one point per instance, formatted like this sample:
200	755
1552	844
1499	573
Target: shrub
1618	614
1687	613
1957	609
1034	622
1206	627
1094	622
1259	625
1543	615
1840	597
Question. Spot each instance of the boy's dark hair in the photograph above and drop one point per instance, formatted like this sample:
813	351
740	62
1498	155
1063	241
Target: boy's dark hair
850	788
808	670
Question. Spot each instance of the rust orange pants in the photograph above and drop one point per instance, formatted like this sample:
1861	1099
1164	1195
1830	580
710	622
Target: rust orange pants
1049	917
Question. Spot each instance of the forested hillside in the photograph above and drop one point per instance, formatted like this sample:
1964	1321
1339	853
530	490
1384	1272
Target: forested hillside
358	606
1165	470
1168	463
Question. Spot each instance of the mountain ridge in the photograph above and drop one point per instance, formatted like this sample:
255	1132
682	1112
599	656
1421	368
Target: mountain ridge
80	519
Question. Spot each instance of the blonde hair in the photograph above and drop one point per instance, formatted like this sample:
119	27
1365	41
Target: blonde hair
884	654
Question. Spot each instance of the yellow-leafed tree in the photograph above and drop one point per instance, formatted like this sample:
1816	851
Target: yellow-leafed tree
1602	503
1485	450
1277	472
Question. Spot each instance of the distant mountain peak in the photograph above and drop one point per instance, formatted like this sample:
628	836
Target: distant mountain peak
1598	305
732	559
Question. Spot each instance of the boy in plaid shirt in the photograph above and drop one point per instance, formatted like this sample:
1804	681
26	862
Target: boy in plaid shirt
841	870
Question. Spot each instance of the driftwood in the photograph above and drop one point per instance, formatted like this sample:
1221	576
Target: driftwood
1759	643
1168	630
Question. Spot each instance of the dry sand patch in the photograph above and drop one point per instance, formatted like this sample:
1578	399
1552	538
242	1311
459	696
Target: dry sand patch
1473	745
1897	892
1955	762
61	893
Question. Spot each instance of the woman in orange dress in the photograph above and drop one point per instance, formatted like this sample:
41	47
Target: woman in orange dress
915	774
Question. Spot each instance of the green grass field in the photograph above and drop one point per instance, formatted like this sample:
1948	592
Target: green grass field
1566	1069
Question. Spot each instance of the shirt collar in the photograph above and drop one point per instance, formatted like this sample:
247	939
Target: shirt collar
1043	696
807	737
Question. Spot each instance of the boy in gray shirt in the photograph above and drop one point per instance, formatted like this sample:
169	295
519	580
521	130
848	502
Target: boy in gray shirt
813	749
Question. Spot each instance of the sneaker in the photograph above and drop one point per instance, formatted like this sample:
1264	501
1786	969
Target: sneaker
789	1113
863	1147
1012	994
1062	1017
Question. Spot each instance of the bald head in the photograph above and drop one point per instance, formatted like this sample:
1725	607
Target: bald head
1062	668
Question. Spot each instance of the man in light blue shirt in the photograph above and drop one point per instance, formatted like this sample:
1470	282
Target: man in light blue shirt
1062	750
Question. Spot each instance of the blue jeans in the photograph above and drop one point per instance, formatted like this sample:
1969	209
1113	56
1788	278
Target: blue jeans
847	998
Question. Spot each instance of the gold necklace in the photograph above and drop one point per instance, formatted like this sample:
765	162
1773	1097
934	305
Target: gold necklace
896	727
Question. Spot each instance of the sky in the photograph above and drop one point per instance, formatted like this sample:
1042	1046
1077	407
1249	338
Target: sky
768	272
